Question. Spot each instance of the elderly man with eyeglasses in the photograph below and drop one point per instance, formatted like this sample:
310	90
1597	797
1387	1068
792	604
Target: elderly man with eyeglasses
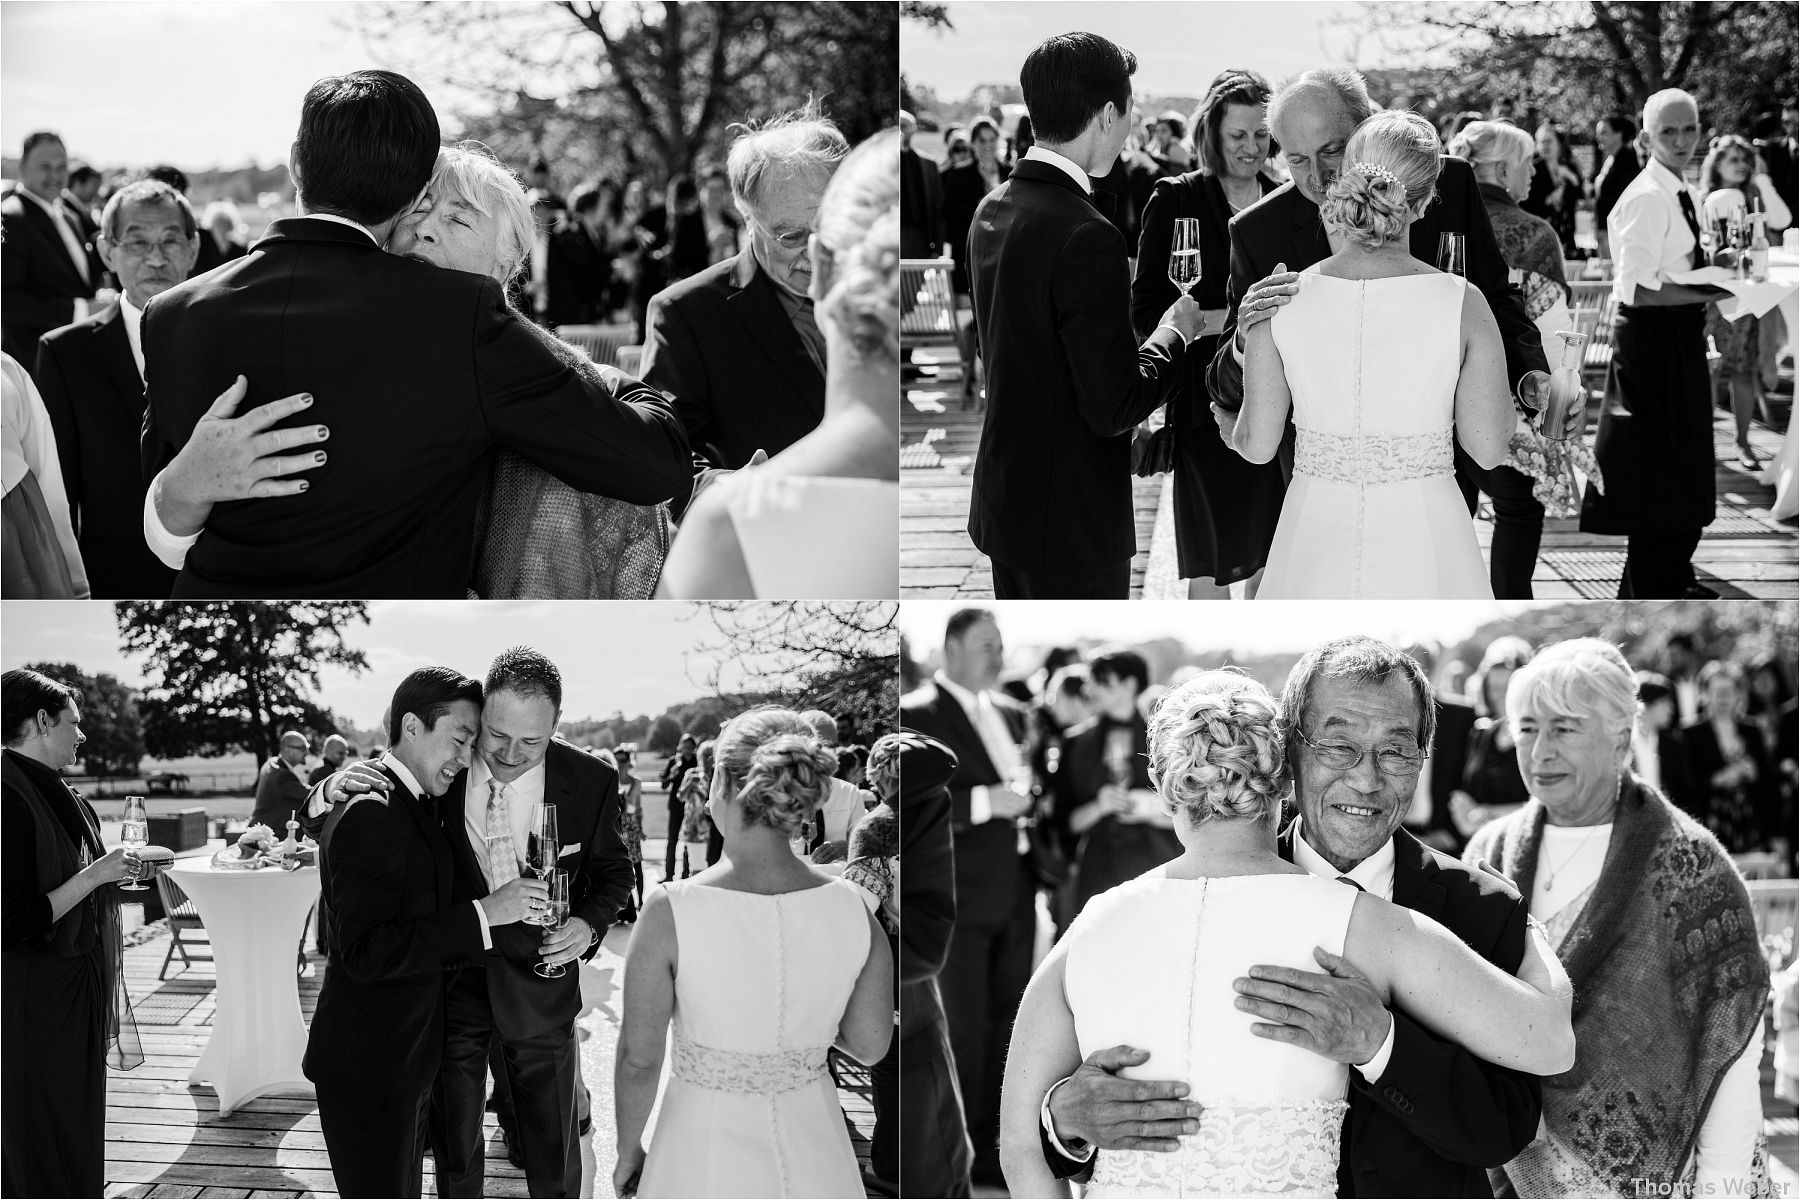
1426	1116
92	376
736	346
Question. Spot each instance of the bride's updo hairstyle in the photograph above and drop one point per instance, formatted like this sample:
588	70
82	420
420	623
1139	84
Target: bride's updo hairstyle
859	235
775	766
1216	748
1389	175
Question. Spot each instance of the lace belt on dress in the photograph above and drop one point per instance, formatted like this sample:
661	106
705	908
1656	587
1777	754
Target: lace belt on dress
748	1074
1373	458
1255	1148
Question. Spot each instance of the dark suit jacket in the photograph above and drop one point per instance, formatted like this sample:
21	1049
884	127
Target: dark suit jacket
1067	379
721	344
922	225
935	1151
96	402
420	373
1284	227
1704	758
1438	1115
88	230
278	793
387	880
579	277
39	282
964	189
989	871
585	791
1449	751
1618	171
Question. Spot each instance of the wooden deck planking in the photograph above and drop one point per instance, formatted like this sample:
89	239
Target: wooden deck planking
166	1138
1744	554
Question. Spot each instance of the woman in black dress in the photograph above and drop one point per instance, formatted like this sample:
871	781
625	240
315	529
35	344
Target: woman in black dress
1731	776
965	187
1491	784
67	1017
1225	507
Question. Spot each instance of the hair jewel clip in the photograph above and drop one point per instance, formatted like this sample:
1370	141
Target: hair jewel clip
1376	171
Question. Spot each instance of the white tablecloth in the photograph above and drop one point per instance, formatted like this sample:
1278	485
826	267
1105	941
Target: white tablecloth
253	919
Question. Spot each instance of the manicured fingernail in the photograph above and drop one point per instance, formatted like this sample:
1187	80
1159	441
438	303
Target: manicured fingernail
319	457
306	399
324	433
304	485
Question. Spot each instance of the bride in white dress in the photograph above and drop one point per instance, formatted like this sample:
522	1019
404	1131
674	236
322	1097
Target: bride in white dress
1383	360
764	963
1151	963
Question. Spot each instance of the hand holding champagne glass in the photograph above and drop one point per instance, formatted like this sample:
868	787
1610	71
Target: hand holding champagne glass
134	832
555	917
541	852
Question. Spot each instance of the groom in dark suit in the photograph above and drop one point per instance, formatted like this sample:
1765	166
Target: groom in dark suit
1426	1116
1313	117
387	874
989	959
1067	379
419	374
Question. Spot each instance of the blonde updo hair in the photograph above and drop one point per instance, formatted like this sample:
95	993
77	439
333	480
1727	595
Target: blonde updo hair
775	766
1216	748
859	230
1390	174
1486	142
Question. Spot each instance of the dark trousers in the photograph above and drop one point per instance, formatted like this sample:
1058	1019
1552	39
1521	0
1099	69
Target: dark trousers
1658	566
502	1100
542	1070
983	980
884	1144
376	1148
677	810
1518	524
1085	583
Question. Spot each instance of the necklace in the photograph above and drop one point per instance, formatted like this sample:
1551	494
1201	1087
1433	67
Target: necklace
1550	875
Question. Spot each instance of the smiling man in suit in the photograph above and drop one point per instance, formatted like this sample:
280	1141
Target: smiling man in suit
1313	116
92	376
387	871
418	373
47	276
989	959
737	344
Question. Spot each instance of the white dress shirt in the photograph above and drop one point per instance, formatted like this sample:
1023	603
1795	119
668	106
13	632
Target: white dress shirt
170	548
133	316
1650	237
1375	875
1066	165
996	737
524	794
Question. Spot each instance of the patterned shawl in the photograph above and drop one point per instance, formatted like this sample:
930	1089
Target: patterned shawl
539	538
1669	981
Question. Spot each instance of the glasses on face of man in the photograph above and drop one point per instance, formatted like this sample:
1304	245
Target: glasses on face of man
792	241
1391	759
137	247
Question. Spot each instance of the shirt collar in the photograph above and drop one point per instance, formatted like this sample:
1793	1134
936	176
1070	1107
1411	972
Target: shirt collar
406	777
1064	164
49	206
319	216
1375	874
962	695
1664	178
479	774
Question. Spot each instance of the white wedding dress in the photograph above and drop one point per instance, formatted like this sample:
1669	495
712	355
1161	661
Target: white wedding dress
1150	964
1373	509
761	984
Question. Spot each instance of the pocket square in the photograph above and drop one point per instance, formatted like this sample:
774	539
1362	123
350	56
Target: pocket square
568	850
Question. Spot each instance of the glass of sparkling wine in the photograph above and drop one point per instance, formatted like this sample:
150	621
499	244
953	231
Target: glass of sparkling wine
1452	255
541	851
1184	254
555	918
134	832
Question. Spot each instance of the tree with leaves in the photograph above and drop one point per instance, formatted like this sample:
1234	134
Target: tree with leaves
1576	61
231	676
840	657
109	719
641	90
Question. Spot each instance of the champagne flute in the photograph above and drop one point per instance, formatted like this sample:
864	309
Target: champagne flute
134	832
1184	254
1452	254
540	853
555	917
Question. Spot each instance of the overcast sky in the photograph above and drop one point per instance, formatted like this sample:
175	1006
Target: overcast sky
1180	47
613	655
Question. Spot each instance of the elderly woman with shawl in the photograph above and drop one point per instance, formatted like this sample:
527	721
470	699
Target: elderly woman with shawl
1654	926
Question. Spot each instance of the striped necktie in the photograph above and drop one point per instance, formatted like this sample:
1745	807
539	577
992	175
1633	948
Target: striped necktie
502	855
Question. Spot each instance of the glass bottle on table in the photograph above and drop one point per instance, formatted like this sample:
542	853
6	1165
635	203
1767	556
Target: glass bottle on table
1557	393
134	833
1757	256
540	852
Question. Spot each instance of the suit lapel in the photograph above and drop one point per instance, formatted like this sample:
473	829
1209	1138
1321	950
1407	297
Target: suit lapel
46	229
1415	877
115	349
759	308
433	834
951	711
453	808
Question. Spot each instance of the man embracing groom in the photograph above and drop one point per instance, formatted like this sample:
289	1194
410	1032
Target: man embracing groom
431	951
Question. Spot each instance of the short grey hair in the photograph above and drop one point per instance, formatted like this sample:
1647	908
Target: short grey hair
1583	677
1492	142
469	172
803	142
1345	86
144	191
1361	660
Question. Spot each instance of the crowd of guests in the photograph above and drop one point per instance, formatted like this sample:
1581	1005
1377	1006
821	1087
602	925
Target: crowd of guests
1055	791
1223	158
761	296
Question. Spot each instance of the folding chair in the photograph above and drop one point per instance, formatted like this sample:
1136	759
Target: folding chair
182	917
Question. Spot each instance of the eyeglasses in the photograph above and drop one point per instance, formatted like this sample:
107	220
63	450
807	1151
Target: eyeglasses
140	247
790	241
1342	756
